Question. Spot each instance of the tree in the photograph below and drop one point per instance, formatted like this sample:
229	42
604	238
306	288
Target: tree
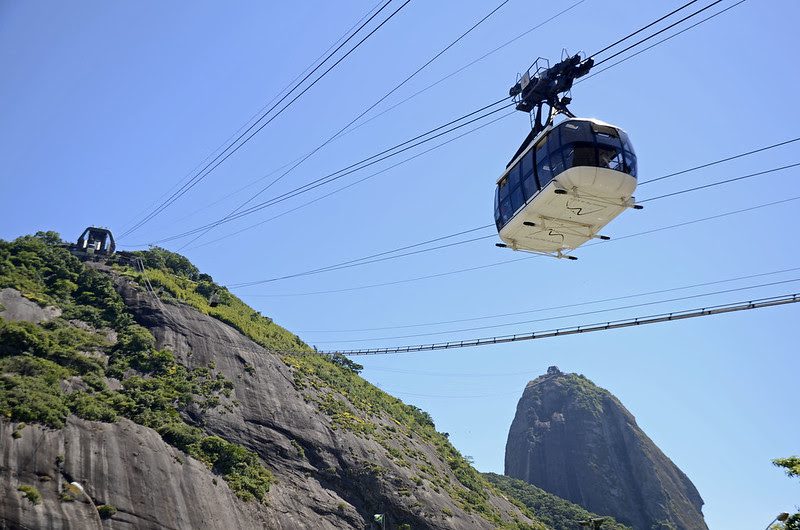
792	466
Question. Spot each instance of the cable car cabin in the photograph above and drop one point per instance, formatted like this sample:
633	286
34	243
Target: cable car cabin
94	242
564	186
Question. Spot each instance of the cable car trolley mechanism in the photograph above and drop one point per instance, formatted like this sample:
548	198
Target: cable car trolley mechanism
567	180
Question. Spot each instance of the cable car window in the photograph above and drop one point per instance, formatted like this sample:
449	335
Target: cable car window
526	164
580	154
543	170
604	138
517	200
529	186
557	161
630	163
606	130
553	142
609	157
513	177
505	211
502	189
626	142
575	131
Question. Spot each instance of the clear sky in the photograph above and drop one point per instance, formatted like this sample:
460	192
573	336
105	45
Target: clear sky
106	105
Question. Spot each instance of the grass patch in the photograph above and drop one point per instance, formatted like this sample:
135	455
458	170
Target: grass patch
106	511
31	493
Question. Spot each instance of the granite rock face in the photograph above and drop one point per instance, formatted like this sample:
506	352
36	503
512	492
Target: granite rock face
576	440
325	477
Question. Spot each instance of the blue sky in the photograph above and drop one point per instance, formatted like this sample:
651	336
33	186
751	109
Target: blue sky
106	106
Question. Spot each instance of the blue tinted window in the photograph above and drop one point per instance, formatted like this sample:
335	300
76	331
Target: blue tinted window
526	164
513	177
630	163
543	170
496	206
575	131
553	143
517	200
610	157
626	142
608	136
505	211
502	189
529	186
580	154
557	161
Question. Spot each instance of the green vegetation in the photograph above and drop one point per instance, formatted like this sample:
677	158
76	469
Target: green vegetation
17	434
31	493
240	467
106	511
37	359
354	404
175	278
555	512
585	394
792	467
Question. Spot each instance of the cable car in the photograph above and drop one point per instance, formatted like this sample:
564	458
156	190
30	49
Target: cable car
567	180
564	186
94	242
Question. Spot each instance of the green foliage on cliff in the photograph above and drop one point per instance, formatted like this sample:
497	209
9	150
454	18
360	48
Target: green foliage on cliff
30	391
31	493
555	512
50	370
240	467
175	279
366	411
583	393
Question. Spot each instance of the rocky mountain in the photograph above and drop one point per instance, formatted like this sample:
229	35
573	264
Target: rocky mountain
577	441
140	394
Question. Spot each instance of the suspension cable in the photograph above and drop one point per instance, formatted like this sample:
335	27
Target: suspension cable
250	132
561	317
553	308
257	114
575	330
506	262
308	187
340	131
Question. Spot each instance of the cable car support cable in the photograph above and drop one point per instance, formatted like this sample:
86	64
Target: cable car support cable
219	159
527	257
362	114
304	187
258	114
560	317
553	308
362	261
575	330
